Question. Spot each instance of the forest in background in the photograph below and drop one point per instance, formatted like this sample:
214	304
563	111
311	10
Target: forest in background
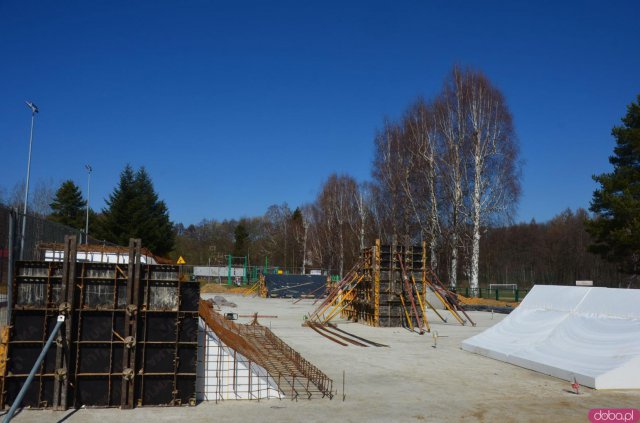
447	173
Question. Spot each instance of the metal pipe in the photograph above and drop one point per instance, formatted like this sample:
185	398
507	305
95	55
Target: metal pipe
34	110
23	390
86	229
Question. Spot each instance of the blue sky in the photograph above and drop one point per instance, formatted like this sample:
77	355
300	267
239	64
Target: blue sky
235	106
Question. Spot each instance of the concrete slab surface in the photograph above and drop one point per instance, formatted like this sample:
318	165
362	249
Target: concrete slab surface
411	381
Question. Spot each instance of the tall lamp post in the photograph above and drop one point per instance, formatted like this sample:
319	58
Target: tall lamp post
86	228
34	110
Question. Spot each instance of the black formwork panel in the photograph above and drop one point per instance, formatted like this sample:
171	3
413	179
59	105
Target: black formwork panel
99	343
387	265
36	300
162	347
168	329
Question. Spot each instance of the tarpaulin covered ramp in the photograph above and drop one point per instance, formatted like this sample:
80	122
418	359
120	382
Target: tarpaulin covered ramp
590	334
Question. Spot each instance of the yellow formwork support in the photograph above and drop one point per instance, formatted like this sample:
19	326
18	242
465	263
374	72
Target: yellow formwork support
263	286
4	338
406	313
446	304
422	308
424	269
251	289
345	297
376	285
323	309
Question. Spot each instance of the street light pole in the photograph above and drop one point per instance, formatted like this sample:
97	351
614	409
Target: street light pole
34	110
86	229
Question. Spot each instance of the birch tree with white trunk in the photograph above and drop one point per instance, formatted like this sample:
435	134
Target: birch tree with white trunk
451	123
494	159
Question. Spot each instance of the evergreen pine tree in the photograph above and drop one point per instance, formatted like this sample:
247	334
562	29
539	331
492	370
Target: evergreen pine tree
134	211
68	207
616	204
241	238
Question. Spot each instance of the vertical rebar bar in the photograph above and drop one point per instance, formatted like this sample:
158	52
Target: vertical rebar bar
344	396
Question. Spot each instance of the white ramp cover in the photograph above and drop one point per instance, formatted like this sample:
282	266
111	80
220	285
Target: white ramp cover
592	334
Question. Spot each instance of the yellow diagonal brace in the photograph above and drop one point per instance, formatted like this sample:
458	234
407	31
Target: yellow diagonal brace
446	304
406	313
337	308
422	309
329	302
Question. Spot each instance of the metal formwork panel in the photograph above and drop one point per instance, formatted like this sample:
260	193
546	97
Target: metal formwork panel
130	337
167	352
377	299
99	341
36	297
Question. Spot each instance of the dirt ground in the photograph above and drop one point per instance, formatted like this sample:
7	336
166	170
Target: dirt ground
411	381
221	288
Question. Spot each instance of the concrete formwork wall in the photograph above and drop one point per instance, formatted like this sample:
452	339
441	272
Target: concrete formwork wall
376	300
129	338
224	374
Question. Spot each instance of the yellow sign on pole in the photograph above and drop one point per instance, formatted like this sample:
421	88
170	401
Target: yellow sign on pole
181	261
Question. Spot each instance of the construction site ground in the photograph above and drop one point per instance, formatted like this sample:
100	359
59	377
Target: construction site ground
411	381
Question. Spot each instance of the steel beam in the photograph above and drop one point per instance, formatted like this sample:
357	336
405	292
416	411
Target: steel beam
63	342
131	325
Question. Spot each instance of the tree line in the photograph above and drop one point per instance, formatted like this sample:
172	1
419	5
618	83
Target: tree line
133	209
446	173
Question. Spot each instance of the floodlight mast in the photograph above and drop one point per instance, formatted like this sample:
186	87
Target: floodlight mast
34	110
86	229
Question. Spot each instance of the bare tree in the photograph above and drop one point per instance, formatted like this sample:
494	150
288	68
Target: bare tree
306	222
40	197
387	168
452	124
422	188
494	169
338	210
276	231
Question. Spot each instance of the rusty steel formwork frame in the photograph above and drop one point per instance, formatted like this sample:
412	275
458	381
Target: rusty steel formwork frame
295	376
393	289
106	352
378	299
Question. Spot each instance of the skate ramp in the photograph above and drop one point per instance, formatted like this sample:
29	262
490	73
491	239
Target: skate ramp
590	334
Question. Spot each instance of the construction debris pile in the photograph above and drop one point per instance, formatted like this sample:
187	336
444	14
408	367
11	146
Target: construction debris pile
221	301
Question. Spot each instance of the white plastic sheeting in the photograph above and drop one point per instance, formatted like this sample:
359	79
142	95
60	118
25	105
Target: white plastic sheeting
224	374
590	334
217	271
97	257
